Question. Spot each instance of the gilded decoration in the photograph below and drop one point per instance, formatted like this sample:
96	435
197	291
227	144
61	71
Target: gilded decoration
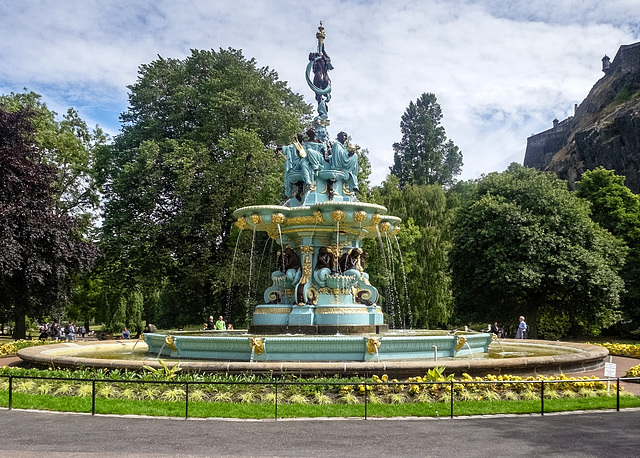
375	219
272	311
336	249
359	216
338	215
256	219
273	232
345	188
312	296
461	341
278	218
395	230
319	230
316	218
384	227
341	310
274	297
373	344
257	345
340	291
307	251
242	223
170	342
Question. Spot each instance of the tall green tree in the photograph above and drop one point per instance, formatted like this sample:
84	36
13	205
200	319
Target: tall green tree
617	209
41	247
424	155
68	145
527	246
197	142
413	269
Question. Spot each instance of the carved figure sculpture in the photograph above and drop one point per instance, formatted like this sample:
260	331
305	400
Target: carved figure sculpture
325	259
290	260
303	162
345	160
314	160
349	260
324	266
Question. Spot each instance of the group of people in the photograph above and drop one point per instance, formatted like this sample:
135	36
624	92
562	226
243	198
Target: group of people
521	331
219	325
54	331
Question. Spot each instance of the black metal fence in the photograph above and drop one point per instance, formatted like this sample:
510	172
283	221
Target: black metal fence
368	386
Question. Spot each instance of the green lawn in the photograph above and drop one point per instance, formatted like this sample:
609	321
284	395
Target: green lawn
267	410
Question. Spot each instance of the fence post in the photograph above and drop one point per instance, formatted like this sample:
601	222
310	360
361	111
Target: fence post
366	399
10	392
542	398
186	403
451	396
618	394
276	410
93	397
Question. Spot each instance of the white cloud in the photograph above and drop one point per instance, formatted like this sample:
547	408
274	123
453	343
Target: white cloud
501	70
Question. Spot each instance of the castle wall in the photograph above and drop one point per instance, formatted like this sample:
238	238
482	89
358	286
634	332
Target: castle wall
542	147
627	58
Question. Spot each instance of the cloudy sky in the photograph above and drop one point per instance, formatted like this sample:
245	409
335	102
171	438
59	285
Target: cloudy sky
501	69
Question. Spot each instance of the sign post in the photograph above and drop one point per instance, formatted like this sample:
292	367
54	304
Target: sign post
609	371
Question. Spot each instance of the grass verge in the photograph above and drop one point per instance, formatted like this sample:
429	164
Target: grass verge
266	410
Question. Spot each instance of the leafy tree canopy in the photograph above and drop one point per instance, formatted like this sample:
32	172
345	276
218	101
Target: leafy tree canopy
413	269
40	245
425	155
527	246
617	209
197	142
70	147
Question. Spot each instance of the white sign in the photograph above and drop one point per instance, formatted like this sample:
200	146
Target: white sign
610	369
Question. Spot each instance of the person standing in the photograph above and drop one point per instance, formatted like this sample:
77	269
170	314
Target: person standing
69	332
220	325
521	332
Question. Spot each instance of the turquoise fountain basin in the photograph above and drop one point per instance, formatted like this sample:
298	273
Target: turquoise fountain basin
317	348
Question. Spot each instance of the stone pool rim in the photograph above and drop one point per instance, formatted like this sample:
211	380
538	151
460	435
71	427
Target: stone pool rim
575	358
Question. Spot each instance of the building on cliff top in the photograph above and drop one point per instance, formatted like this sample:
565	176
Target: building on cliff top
542	148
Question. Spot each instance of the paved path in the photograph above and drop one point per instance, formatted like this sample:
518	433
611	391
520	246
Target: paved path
599	434
622	366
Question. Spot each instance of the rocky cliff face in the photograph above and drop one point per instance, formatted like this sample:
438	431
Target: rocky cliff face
605	130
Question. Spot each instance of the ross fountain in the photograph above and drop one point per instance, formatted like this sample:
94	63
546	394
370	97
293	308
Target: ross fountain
320	291
321	312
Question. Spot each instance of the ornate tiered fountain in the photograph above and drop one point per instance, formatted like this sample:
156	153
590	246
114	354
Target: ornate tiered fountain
321	286
321	305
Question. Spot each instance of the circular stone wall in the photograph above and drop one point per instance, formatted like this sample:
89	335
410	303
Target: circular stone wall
567	357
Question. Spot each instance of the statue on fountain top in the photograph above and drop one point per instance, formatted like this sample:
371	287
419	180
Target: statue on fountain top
334	164
345	159
303	162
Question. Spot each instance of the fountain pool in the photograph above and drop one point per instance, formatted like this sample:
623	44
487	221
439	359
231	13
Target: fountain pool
517	357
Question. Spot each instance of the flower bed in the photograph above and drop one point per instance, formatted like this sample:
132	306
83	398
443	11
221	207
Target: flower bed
618	349
11	348
252	390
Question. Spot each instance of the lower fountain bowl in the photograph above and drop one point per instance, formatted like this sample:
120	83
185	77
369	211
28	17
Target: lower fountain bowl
515	357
